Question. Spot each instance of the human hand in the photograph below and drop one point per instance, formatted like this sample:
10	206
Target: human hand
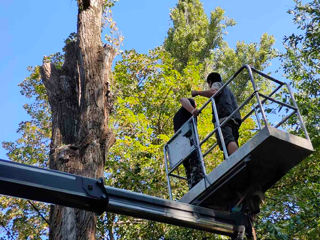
194	93
214	91
195	112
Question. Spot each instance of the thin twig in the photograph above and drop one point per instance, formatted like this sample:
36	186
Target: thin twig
8	232
38	211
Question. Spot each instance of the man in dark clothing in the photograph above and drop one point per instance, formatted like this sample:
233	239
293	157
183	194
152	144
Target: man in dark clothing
192	165
184	113
226	103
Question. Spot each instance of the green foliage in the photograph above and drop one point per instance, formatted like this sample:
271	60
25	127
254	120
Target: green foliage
145	104
196	39
148	89
18	217
301	63
227	61
110	3
193	36
293	206
147	92
146	95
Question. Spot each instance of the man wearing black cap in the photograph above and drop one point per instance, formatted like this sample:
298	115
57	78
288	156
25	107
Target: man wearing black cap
226	103
192	165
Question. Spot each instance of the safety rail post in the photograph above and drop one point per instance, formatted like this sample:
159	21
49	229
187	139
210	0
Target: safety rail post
167	171
198	146
257	94
257	117
219	128
298	112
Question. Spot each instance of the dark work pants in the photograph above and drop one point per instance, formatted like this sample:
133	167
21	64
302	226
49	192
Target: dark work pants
193	169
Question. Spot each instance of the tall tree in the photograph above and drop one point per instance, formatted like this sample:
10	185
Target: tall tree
148	92
292	210
193	36
24	219
148	88
78	93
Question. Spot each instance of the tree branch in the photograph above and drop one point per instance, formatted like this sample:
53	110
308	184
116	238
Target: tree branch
39	213
50	75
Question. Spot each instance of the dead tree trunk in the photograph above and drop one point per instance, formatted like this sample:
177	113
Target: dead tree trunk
78	94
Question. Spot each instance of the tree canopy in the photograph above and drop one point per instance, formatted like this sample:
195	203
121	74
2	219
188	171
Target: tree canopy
146	96
146	93
292	208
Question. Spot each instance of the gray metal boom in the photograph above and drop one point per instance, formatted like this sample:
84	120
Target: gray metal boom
70	190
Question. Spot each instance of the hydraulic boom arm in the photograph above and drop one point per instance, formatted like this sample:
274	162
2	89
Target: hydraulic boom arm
65	189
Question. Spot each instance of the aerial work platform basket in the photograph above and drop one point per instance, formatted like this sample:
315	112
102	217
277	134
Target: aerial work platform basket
279	142
222	201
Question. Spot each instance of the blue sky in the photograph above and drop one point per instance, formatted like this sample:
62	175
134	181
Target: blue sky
33	29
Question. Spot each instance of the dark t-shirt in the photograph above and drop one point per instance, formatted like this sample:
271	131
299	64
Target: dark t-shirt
182	116
226	103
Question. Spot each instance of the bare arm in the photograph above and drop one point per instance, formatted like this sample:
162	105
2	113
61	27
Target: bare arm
205	93
187	105
208	93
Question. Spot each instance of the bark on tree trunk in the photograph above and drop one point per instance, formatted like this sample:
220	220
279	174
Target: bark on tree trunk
79	97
